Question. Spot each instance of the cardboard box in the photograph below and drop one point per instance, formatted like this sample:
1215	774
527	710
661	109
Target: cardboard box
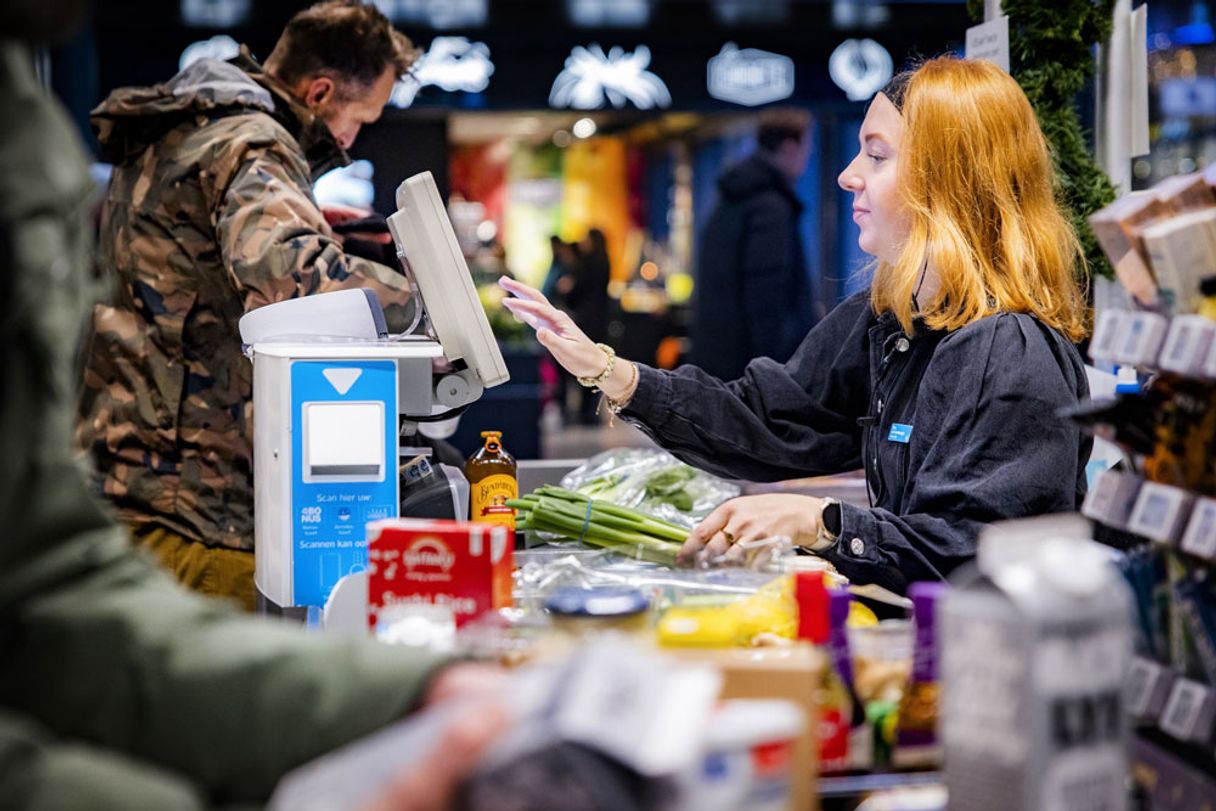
460	564
790	673
1117	229
1181	251
1185	193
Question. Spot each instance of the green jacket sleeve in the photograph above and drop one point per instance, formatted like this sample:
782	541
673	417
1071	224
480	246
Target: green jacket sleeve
40	773
275	241
123	657
96	643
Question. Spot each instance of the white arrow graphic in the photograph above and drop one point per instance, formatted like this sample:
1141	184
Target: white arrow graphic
342	378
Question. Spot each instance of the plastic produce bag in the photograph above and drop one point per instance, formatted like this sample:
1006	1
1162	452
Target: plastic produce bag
653	481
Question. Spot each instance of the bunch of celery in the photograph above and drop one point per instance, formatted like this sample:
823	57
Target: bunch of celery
598	523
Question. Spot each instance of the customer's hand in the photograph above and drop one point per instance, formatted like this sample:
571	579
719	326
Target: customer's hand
726	533
555	330
431	783
463	680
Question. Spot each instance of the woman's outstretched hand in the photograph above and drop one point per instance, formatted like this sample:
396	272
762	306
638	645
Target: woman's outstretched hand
555	330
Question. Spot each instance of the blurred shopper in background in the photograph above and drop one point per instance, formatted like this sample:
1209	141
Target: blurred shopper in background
120	690
587	299
943	379
210	214
561	270
752	296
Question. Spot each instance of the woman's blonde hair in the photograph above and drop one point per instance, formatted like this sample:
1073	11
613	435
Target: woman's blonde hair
977	179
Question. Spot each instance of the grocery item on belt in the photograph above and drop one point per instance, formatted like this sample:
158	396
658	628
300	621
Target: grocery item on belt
491	472
463	565
653	481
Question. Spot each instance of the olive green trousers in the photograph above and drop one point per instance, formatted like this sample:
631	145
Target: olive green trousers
213	570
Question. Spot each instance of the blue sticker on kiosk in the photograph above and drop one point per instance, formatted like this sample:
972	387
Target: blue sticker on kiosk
900	433
344	467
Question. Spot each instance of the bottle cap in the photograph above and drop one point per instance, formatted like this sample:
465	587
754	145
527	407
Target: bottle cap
597	601
1126	381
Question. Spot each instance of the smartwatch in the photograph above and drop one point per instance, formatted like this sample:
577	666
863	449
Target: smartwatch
829	525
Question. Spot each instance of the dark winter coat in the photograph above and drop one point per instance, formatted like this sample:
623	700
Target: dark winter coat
753	296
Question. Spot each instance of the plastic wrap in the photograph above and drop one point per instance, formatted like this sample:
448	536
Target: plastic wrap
653	481
541	571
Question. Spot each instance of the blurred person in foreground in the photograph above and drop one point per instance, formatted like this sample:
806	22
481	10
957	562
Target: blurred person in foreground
120	690
942	379
753	296
210	214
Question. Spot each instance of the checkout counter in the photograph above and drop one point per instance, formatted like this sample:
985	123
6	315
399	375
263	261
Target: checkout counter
338	402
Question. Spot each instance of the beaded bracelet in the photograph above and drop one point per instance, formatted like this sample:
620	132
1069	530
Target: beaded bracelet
592	382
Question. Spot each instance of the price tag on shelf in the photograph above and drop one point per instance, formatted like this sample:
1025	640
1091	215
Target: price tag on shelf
1143	334
1209	365
1200	536
1148	687
1161	512
1107	333
1187	344
1111	498
1189	712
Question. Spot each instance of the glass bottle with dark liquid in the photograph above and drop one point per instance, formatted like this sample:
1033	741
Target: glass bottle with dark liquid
492	482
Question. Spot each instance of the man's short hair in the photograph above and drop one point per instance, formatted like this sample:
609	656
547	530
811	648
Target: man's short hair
349	41
782	124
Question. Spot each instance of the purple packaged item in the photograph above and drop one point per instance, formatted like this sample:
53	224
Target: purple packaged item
916	740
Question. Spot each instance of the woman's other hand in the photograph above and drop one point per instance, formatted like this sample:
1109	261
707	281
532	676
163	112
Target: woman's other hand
730	531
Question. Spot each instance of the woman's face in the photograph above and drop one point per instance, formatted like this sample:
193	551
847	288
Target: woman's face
871	177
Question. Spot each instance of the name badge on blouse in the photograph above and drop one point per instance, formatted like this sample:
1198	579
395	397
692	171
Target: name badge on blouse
900	433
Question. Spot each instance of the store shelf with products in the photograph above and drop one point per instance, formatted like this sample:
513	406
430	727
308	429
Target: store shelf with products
1160	508
1168	779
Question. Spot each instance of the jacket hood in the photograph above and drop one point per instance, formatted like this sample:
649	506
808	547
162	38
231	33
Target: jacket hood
132	118
754	175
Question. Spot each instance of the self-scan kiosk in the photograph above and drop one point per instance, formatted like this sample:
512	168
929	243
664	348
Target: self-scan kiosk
333	391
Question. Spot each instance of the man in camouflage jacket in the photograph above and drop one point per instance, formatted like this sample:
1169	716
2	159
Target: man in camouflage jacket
210	214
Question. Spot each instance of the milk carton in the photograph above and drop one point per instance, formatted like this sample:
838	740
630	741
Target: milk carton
1036	647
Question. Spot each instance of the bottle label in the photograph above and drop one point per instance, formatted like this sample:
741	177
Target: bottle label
488	499
833	740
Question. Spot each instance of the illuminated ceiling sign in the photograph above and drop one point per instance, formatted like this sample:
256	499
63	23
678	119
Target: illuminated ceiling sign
435	13
593	78
219	47
451	64
750	76
860	67
603	13
214	13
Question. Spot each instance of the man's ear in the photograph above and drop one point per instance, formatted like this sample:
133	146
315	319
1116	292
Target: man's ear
318	92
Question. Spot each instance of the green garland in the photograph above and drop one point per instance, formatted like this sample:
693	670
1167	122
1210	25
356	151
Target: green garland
1051	55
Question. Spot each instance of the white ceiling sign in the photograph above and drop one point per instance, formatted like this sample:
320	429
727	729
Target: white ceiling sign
435	13
604	13
214	13
750	76
860	67
452	64
592	78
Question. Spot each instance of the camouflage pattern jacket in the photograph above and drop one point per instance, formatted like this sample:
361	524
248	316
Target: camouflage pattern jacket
209	214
